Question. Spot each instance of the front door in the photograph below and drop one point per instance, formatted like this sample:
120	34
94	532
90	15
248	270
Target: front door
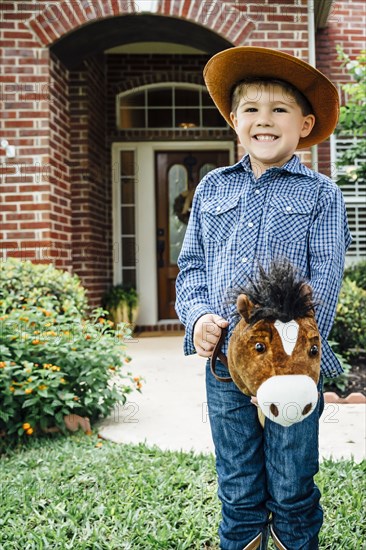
177	175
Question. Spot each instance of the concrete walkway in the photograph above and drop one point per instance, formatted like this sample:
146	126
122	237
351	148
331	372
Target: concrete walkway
172	413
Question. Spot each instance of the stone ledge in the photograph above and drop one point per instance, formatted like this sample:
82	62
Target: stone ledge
353	398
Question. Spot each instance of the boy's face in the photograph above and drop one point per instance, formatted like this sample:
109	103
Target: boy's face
269	124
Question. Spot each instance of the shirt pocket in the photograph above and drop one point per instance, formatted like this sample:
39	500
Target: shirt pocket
219	217
288	219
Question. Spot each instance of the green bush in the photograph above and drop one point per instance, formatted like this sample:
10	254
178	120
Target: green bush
52	367
25	283
357	273
349	329
54	362
123	297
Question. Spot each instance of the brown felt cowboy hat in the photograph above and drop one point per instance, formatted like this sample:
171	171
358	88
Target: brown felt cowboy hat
228	67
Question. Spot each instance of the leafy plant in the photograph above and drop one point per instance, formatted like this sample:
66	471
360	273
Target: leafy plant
349	329
54	361
340	382
26	283
357	273
352	121
121	296
52	367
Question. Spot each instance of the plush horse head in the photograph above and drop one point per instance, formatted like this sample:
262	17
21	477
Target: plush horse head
274	351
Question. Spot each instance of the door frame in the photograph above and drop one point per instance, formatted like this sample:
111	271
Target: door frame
145	216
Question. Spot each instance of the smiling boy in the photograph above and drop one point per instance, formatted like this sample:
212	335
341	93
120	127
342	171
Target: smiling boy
269	122
267	206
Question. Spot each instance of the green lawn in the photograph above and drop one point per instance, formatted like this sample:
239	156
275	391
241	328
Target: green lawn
66	493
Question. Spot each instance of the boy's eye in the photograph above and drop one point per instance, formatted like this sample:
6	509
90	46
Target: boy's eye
280	110
250	110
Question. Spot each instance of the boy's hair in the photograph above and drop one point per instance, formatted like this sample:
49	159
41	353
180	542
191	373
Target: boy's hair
291	91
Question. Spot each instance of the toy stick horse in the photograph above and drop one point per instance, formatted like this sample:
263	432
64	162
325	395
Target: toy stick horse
274	351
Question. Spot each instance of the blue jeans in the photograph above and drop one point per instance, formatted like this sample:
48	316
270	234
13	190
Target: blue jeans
264	475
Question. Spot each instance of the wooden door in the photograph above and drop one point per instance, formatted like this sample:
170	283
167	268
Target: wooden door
177	175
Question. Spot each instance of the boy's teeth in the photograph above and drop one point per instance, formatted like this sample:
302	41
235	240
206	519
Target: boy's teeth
265	138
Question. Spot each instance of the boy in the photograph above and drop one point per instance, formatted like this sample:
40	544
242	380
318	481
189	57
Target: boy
266	206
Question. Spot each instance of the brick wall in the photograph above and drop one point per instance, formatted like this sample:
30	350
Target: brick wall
35	198
90	175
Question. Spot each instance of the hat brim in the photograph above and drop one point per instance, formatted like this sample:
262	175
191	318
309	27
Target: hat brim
228	67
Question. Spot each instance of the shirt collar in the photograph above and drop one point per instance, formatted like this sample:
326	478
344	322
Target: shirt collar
293	166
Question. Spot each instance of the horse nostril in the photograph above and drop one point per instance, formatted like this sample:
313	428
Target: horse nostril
273	409
306	409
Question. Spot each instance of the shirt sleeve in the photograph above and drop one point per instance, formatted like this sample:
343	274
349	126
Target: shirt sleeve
192	299
329	240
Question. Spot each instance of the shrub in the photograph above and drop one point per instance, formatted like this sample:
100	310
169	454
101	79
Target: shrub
121	297
349	329
22	282
54	362
357	273
52	367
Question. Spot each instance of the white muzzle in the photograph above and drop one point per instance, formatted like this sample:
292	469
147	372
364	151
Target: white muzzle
288	398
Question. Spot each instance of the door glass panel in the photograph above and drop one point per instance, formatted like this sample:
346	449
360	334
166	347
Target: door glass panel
206	168
178	185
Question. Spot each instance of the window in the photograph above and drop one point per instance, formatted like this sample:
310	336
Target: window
128	232
168	106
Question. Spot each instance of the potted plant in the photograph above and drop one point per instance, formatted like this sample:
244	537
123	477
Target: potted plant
122	303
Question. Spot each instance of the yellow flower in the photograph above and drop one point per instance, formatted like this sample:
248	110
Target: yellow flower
12	388
35	342
2	364
42	387
30	379
36	332
28	391
26	426
29	432
63	381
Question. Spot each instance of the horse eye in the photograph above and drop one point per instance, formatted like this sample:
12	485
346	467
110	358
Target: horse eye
314	350
259	347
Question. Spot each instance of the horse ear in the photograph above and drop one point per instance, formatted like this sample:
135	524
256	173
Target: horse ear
244	306
306	292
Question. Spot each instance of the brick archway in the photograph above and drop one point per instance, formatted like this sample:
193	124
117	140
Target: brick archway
224	18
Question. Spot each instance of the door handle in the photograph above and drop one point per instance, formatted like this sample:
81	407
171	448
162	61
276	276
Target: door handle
161	248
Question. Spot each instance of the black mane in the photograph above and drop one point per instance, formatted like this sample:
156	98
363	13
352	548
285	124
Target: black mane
280	293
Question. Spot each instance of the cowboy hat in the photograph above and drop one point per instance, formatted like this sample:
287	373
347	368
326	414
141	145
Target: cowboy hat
229	67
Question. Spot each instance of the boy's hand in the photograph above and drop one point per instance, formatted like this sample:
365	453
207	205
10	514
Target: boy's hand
206	334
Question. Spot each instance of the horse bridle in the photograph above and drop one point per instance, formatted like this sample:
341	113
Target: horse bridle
217	354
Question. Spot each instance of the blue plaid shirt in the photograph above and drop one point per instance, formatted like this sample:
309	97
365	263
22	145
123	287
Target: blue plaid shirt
237	221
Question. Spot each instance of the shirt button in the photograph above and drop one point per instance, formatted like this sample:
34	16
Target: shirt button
244	260
257	191
288	208
250	224
218	209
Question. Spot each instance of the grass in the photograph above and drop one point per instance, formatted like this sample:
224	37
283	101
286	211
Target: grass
68	493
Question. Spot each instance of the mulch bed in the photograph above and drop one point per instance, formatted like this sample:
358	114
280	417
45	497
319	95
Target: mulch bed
356	382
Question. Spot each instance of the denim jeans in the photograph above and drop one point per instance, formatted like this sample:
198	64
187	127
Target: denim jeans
264	475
